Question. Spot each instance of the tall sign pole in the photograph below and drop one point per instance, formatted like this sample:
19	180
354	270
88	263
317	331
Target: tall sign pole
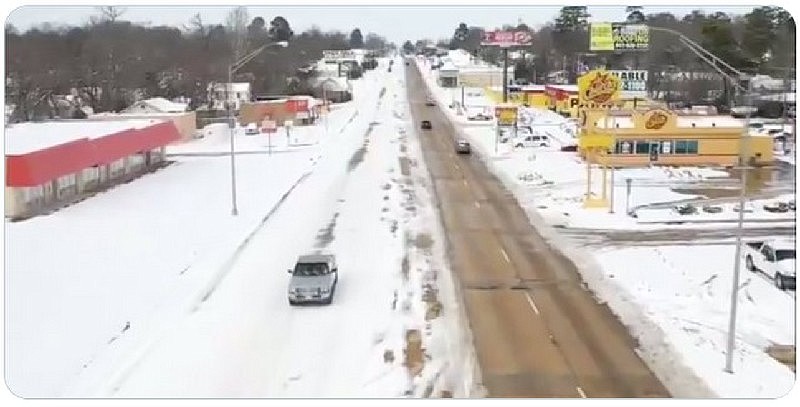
505	74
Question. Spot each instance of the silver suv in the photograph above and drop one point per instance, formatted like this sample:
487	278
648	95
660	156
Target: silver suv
313	279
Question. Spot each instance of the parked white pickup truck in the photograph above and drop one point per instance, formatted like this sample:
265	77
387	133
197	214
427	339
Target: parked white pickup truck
775	258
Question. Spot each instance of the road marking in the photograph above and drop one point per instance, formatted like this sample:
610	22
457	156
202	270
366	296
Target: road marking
504	253
478	205
580	391
464	181
457	167
533	304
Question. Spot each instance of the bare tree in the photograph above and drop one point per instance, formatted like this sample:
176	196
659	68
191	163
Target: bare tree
111	13
196	26
236	24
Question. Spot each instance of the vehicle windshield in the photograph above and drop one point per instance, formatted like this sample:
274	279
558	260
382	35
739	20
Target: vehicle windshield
784	255
310	269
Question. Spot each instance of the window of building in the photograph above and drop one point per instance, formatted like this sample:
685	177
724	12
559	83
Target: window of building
117	167
66	181
666	147
91	174
33	194
624	147
686	147
136	160
642	147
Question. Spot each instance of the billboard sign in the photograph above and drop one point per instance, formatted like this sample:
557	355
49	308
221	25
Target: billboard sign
619	37
506	115
337	54
634	83
507	38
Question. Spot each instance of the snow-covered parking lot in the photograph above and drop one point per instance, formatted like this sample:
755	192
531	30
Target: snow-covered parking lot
673	297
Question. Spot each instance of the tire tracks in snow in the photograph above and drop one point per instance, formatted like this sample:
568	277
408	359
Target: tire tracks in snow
225	268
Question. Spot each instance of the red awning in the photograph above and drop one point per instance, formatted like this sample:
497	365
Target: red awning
38	167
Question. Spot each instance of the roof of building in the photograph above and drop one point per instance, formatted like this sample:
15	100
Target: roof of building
234	87
46	164
162	105
22	138
565	88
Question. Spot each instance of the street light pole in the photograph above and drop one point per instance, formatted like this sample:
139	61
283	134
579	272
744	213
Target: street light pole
231	124
743	167
232	68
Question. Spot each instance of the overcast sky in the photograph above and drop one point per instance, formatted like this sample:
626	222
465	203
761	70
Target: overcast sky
396	23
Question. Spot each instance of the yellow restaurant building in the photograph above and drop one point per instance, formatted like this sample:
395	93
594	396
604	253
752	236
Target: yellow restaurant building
662	137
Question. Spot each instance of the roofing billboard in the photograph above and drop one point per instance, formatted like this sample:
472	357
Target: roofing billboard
619	37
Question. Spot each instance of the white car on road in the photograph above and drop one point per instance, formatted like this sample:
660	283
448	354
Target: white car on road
314	279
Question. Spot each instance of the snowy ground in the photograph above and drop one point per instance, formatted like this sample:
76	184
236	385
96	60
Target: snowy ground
674	299
685	290
152	289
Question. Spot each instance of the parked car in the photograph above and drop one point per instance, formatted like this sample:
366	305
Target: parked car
775	258
570	148
776	207
685	209
462	146
251	129
429	101
712	209
532	140
479	117
426	125
313	280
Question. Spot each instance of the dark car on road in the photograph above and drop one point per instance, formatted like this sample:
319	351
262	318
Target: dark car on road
426	125
463	147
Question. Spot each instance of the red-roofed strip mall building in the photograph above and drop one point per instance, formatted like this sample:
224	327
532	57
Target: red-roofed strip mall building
52	164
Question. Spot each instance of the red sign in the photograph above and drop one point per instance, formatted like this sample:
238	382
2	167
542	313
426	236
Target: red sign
297	105
506	38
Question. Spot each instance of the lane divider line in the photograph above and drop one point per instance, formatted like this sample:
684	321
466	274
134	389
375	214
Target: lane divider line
477	204
533	304
504	254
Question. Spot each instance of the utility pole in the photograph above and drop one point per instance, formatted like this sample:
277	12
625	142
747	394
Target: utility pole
744	165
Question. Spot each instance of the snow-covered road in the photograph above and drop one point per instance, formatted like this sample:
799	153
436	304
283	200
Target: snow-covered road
244	340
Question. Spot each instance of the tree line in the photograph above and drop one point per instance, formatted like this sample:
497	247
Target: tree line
759	42
110	62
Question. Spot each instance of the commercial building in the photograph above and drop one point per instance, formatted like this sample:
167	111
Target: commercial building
662	137
53	164
300	110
